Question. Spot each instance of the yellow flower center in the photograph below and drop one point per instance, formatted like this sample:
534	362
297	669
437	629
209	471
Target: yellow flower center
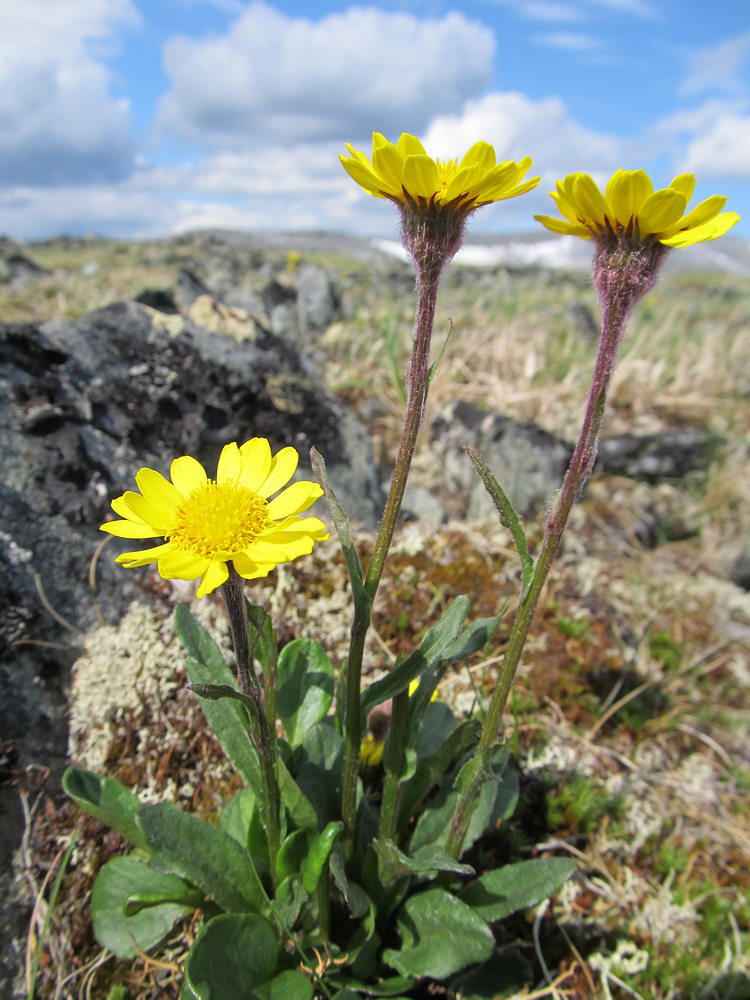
219	517
446	171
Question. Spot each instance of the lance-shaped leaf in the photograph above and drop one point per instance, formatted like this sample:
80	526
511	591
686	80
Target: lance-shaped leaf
227	717
436	640
204	855
508	516
515	887
394	864
107	800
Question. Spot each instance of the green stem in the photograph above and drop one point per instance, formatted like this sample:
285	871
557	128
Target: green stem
428	276
394	765
234	596
579	470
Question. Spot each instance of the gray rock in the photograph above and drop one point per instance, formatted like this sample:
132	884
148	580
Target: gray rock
318	302
651	457
528	462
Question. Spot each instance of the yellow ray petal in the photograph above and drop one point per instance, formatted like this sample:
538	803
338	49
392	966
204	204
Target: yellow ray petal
130	529
627	191
256	463
561	226
702	213
702	234
282	469
388	165
409	145
294	499
157	490
187	474
685	184
216	574
230	464
142	557
661	211
421	178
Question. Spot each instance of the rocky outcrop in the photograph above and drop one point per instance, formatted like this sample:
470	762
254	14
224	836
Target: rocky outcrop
83	406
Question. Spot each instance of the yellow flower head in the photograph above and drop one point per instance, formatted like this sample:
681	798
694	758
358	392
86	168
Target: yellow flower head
407	175
631	207
207	523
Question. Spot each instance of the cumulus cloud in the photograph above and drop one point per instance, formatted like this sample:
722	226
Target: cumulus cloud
518	126
722	149
275	78
58	122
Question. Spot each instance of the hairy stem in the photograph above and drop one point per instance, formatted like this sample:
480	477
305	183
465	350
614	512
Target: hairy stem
234	596
619	293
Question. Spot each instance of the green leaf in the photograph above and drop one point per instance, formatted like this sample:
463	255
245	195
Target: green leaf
433	769
496	802
213	692
393	864
289	899
226	717
288	985
362	600
508	517
432	647
314	862
262	639
232	955
122	879
237	815
319	772
306	681
301	810
515	887
505	974
205	855
106	800
440	935
354	895
473	638
292	853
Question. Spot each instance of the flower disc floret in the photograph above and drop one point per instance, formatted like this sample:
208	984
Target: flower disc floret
404	173
208	523
631	208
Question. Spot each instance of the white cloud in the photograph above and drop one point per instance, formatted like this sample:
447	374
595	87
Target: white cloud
518	126
718	67
58	122
276	78
722	149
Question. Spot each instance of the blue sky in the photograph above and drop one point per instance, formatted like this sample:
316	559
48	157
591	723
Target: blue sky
139	118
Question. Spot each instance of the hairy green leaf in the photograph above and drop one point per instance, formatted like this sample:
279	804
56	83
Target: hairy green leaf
123	879
440	935
514	887
205	855
232	955
105	799
305	687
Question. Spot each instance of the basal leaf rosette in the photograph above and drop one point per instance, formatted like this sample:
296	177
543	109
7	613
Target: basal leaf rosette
208	523
435	197
631	208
